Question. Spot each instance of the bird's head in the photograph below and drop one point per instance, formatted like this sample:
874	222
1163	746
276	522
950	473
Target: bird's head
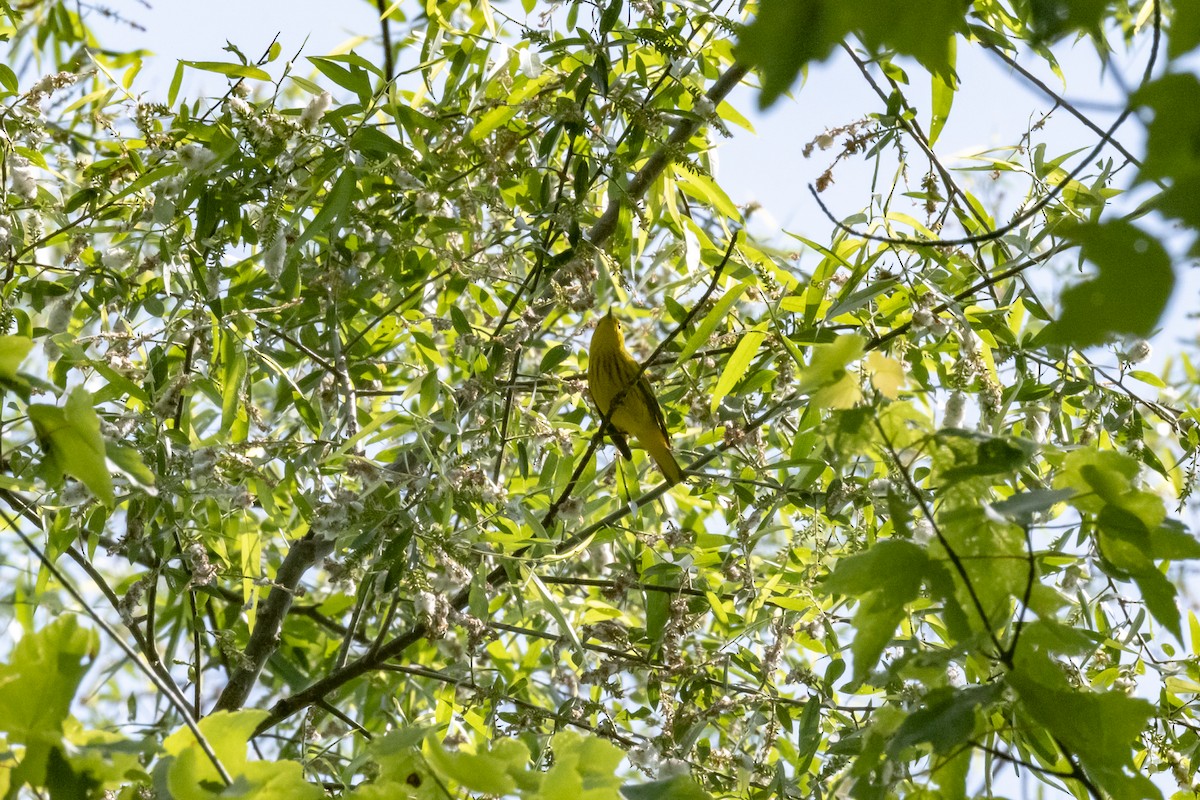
608	328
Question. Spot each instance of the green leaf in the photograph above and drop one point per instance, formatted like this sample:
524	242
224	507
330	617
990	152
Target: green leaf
711	320
523	89
1023	505
584	767
553	357
37	687
951	774
13	350
65	782
808	738
611	14
884	579
550	604
1127	296
353	78
924	31
336	202
1172	541
946	719
229	70
1051	20
827	378
1160	596
1171	160
680	787
130	464
227	731
71	439
1100	729
738	363
8	79
1185	29
398	754
376	143
993	554
707	191
39	682
190	773
490	772
788	34
233	375
1096	476
784	37
1148	378
176	82
860	297
978	454
1054	637
943	89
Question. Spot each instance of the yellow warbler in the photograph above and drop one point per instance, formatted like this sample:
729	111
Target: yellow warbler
610	370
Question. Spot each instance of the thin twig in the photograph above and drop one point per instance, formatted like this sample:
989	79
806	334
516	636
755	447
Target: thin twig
1030	577
168	689
878	341
959	566
1063	102
386	31
1029	213
462	683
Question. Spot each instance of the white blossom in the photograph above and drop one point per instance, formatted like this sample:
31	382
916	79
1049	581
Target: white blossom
23	177
315	109
955	406
195	157
163	210
530	63
275	256
680	67
47	85
880	487
922	319
240	107
116	258
1138	352
406	180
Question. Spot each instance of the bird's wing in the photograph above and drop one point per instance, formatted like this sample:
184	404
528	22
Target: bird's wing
647	394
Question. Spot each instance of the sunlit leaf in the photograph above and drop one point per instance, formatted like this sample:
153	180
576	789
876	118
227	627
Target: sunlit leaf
739	362
13	350
73	445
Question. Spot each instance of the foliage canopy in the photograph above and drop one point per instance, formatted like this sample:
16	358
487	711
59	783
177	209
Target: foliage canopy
299	457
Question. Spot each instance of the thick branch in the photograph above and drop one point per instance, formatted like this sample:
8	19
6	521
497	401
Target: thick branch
265	638
685	130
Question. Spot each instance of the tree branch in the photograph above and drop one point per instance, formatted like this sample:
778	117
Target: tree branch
302	555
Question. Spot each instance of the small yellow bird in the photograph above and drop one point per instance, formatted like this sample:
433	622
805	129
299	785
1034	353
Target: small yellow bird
610	369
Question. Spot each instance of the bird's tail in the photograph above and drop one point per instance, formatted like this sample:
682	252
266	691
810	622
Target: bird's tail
660	451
